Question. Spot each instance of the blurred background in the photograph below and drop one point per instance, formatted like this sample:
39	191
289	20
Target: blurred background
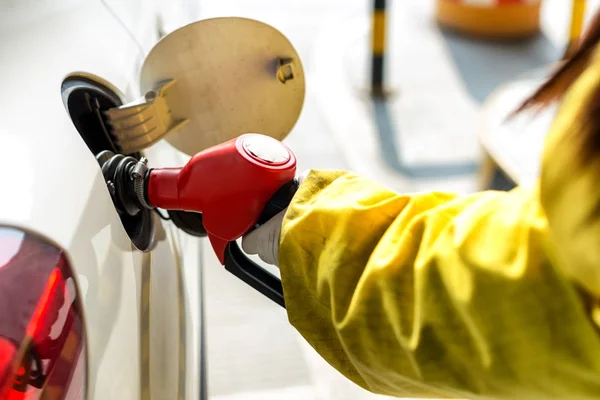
431	123
411	93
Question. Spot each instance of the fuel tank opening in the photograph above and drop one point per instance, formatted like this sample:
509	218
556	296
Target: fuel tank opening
86	100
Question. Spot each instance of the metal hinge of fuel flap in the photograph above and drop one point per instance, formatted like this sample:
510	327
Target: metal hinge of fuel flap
145	121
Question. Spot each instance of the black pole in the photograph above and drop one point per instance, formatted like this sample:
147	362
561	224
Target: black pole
378	48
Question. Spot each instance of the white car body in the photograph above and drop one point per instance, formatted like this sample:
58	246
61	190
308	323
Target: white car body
141	310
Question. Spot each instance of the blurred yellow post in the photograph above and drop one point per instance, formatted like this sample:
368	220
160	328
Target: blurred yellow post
577	17
576	28
378	48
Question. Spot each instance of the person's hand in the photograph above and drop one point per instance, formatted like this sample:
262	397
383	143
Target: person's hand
264	241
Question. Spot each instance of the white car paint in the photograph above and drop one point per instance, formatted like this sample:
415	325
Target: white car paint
52	185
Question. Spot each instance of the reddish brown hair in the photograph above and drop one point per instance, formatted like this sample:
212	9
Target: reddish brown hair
559	82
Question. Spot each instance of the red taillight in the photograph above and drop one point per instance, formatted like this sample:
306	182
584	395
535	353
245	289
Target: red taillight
42	343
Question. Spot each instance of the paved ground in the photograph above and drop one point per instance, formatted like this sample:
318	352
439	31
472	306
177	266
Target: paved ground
253	352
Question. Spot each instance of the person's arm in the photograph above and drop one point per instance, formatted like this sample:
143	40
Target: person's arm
434	294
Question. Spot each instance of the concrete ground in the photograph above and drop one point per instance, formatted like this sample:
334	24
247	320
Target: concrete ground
253	353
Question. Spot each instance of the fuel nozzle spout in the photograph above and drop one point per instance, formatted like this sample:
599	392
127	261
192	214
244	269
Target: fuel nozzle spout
126	179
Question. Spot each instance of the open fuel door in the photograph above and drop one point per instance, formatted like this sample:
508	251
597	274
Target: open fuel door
211	81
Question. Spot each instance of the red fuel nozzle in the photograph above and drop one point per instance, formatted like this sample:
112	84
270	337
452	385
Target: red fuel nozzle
236	186
230	184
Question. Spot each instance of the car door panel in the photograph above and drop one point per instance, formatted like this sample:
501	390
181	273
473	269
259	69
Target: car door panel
139	18
60	193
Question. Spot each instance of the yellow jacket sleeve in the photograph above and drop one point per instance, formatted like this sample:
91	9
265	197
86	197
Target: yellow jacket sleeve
435	295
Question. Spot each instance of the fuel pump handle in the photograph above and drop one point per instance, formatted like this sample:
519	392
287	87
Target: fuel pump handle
237	186
238	263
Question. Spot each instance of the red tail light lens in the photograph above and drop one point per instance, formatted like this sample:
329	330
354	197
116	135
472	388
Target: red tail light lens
42	343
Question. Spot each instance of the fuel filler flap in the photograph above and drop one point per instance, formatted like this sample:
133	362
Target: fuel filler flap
211	81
